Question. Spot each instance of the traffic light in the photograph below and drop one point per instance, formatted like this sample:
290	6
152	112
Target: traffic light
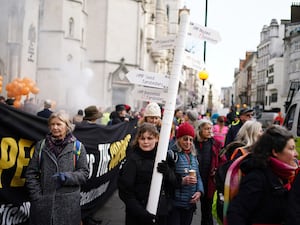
1	83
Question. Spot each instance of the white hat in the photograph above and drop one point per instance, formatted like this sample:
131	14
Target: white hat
152	109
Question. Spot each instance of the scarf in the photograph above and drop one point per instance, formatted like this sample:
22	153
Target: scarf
284	171
57	145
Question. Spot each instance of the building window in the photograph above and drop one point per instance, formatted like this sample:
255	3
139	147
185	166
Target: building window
274	97
71	27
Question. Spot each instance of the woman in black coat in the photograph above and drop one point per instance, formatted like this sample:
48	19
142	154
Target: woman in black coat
269	171
135	180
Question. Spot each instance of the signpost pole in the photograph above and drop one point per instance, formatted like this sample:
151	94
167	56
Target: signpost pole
169	110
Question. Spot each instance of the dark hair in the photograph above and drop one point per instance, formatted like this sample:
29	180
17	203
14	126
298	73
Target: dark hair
143	128
274	138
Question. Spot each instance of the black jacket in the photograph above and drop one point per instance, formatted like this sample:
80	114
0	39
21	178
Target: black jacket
232	132
134	186
261	199
293	205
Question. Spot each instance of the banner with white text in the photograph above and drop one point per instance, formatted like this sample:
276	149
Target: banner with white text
19	131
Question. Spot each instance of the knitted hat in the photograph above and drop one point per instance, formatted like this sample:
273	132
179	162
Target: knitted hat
152	109
192	115
92	113
185	129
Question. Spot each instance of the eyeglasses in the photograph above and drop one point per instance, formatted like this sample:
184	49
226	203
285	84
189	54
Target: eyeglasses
185	138
249	115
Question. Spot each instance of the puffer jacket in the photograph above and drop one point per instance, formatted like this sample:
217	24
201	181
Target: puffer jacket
52	202
183	165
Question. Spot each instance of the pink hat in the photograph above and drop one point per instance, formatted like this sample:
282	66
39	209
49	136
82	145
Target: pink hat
185	129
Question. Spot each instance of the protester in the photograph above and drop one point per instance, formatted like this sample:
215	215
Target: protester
220	130
78	118
91	115
191	189
152	114
245	138
279	119
135	179
119	115
54	175
46	112
191	116
267	175
208	150
231	115
178	117
244	115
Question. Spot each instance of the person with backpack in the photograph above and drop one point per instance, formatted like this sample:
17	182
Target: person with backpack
135	179
268	173
55	174
191	188
208	151
246	137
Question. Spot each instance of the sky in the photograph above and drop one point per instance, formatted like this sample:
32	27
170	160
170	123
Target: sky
239	23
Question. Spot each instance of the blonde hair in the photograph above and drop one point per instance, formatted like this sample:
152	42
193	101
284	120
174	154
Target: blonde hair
64	117
249	133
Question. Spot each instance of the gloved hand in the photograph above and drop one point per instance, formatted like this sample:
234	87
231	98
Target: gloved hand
148	218
61	178
163	167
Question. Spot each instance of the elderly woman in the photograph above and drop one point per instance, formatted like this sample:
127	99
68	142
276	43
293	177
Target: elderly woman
55	173
191	189
268	173
208	150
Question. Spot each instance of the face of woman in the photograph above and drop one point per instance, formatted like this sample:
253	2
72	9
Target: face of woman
289	153
206	131
152	119
58	128
185	142
147	141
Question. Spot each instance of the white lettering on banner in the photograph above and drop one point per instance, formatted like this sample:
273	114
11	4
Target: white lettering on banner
11	215
104	159
91	160
87	197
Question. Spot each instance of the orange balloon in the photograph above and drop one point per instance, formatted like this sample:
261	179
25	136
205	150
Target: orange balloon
25	90
17	104
35	90
8	87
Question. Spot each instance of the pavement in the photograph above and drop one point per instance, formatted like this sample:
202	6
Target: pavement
113	212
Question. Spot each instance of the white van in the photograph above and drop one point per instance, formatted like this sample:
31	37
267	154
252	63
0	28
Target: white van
292	119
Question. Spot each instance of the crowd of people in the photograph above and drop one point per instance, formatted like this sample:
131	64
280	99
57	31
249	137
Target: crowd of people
269	185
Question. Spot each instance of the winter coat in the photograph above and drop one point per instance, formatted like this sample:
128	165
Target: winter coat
134	187
262	198
52	202
215	160
293	205
232	132
184	193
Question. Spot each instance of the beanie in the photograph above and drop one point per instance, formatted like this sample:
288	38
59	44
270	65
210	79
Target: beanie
185	129
152	109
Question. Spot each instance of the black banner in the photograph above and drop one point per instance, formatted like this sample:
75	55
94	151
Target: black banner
106	147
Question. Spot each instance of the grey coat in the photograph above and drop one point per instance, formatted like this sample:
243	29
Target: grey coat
53	203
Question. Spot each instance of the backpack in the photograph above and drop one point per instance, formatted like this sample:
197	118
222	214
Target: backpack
221	175
76	151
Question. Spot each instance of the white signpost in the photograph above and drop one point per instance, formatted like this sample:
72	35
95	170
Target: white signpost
150	94
204	33
193	61
163	43
148	79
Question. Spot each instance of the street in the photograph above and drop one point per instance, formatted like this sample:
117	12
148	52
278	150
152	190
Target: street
113	212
